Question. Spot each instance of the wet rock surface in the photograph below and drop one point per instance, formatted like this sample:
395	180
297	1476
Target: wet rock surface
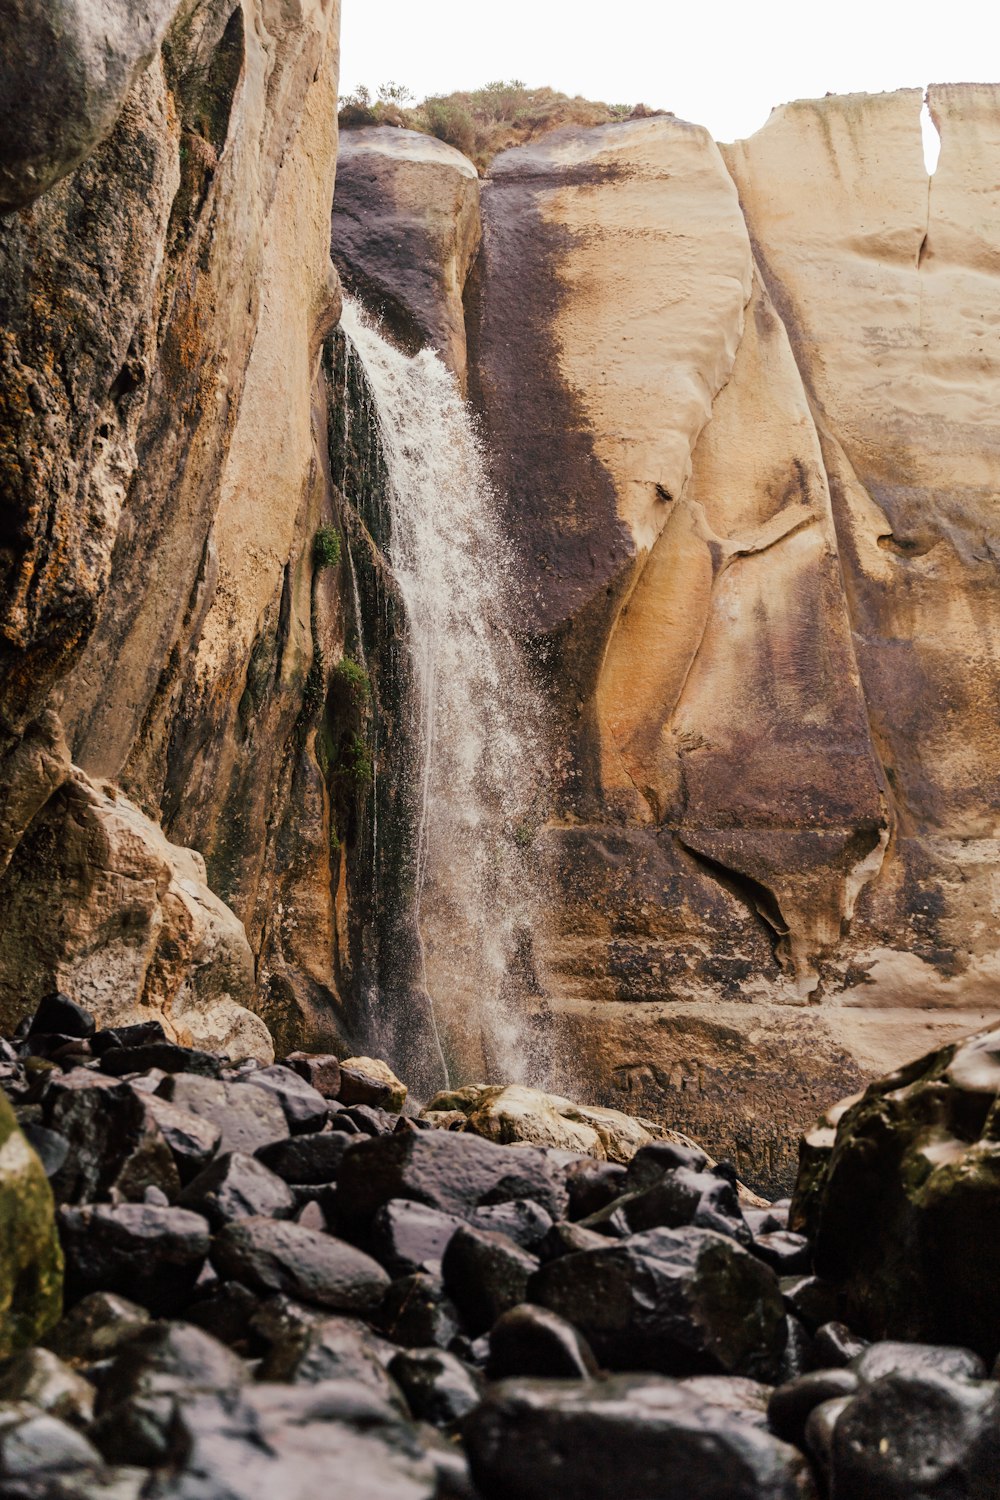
438	1316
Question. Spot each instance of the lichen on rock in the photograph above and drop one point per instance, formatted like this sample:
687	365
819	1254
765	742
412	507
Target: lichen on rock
31	1263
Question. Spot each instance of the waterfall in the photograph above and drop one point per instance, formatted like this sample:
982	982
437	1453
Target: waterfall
475	754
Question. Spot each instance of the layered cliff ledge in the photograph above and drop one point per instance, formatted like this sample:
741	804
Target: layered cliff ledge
739	403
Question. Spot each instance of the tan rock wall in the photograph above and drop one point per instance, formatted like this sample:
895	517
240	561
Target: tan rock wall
762	559
163	464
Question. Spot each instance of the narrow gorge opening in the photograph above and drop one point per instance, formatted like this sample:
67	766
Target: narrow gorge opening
468	741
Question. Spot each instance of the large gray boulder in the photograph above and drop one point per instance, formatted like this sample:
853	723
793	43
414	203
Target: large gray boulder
65	69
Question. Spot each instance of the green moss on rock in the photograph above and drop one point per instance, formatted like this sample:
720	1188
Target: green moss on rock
31	1265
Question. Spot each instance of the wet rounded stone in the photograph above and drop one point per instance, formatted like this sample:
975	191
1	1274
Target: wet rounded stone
269	1255
792	1404
303	1106
908	1436
681	1301
167	1358
788	1254
368	1080
889	1358
520	1220
835	1345
306	1352
627	1436
234	1187
246	1117
37	1444
306	1159
41	1377
114	1144
592	1185
57	1013
417	1312
97	1327
485	1274
681	1197
438	1388
650	1162
167	1056
407	1237
532	1341
153	1254
191	1140
456	1173
321	1069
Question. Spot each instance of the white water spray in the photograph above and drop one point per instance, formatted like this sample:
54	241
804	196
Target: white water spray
478	757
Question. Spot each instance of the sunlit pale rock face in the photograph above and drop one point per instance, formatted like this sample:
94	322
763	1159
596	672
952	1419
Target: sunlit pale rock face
747	429
741	402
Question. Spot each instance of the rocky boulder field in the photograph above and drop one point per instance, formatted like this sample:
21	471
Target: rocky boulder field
281	1279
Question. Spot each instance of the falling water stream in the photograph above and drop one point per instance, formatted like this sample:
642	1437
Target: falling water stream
476	758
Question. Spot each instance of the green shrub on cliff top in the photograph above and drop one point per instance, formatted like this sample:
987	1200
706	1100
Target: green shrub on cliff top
482	122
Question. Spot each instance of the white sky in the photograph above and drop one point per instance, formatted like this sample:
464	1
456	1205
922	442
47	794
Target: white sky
722	64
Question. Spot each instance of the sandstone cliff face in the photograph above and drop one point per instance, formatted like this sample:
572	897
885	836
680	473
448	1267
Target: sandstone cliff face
405	232
162	470
739	403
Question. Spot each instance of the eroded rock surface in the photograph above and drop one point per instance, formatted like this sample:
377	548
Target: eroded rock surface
405	232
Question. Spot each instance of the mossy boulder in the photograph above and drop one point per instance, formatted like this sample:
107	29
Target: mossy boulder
905	1208
31	1265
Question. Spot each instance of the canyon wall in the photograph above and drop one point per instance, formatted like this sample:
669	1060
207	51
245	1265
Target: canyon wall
163	474
740	404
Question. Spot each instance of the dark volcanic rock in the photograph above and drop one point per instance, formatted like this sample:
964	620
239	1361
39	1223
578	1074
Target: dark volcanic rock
142	1034
113	1140
306	1159
315	1268
792	1404
153	1254
437	1386
289	1442
485	1274
227	1314
908	1437
879	1360
34	1445
237	1187
675	1300
58	1013
41	1377
911	1182
96	1328
167	1056
520	1220
328	1349
167	1359
455	1173
191	1139
304	1107
835	1345
592	1185
650	1162
321	1069
682	1196
532	1341
628	1436
417	1312
787	1253
247	1117
407	1237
